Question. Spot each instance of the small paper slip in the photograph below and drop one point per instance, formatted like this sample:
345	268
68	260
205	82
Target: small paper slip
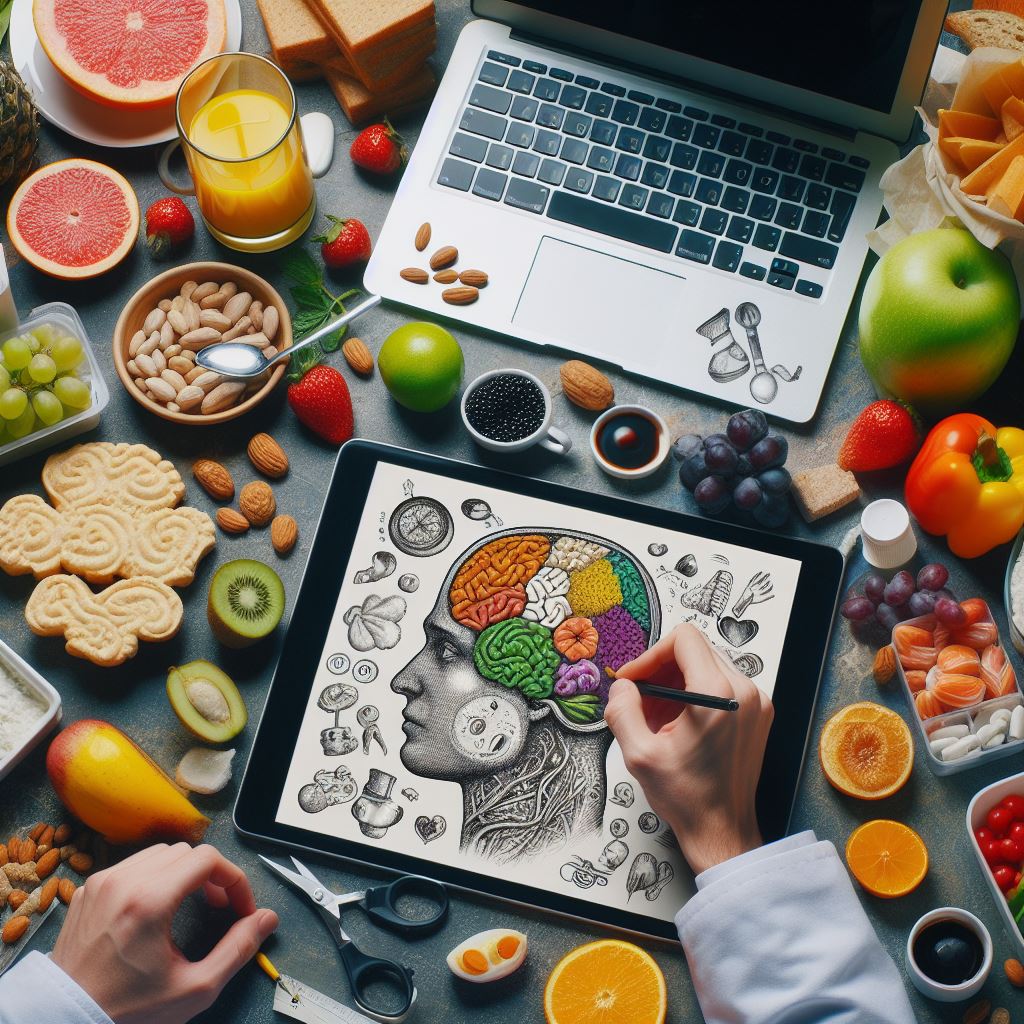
8	954
314	1007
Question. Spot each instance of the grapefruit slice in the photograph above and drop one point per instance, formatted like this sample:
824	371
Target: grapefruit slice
74	219
129	53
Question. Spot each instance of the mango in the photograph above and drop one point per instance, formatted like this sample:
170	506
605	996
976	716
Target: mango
112	785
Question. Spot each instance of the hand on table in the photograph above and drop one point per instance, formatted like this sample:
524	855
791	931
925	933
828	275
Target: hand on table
116	940
699	768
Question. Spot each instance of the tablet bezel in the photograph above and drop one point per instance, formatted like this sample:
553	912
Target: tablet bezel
795	696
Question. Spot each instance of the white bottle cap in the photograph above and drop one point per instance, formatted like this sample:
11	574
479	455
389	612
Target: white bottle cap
887	536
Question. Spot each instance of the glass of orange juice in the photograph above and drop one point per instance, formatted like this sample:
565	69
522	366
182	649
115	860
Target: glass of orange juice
240	133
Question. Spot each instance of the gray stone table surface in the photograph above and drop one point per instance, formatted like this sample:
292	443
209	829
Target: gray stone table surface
133	695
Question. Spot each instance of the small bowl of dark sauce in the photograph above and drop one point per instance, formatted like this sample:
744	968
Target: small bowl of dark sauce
949	955
629	441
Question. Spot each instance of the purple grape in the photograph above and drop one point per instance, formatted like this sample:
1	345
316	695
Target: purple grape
692	470
720	459
776	481
713	439
887	616
773	510
712	495
743	466
769	452
949	613
747	493
746	428
687	445
932	577
874	588
899	588
922	603
857	609
946	593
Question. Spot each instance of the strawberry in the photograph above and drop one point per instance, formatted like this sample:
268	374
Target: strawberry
169	223
883	435
379	149
347	242
322	402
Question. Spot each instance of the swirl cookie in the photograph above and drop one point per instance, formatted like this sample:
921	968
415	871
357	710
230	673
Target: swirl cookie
104	628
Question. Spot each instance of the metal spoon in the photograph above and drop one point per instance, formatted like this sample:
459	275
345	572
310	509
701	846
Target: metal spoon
763	385
239	361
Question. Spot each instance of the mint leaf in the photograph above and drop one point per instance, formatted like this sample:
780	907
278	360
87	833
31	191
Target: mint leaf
5	17
301	268
309	295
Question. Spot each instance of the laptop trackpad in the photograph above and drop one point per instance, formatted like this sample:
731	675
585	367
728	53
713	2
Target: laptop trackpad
601	305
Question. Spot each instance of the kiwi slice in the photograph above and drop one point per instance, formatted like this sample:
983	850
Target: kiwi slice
206	701
246	602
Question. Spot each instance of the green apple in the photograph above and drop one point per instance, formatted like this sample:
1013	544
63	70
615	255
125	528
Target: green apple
421	365
938	319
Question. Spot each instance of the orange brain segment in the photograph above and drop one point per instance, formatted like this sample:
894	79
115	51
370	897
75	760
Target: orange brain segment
490	585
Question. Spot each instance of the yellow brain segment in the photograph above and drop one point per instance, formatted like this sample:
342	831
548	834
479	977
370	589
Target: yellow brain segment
594	590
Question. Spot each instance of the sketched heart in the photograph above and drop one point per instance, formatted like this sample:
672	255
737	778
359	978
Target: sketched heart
429	829
737	632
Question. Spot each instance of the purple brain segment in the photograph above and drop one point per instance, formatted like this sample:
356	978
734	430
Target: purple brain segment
620	639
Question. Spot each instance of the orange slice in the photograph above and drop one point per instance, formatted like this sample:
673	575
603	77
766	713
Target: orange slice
866	751
606	982
887	858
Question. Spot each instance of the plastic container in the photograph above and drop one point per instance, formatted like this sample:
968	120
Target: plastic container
64	316
983	802
973	717
26	674
1015	633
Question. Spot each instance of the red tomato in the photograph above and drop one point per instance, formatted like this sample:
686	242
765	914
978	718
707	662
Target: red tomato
1014	804
998	820
1017	831
992	853
1004	877
983	835
1012	851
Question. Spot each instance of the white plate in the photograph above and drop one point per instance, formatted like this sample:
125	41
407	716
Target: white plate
80	116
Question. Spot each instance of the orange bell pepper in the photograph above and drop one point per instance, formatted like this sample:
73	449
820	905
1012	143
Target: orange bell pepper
967	484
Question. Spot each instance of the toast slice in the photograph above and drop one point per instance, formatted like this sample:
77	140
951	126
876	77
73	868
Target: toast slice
987	28
361	106
295	33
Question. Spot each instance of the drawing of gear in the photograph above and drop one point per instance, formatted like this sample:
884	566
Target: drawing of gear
421	527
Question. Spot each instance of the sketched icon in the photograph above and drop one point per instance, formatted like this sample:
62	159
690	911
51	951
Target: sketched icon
421	527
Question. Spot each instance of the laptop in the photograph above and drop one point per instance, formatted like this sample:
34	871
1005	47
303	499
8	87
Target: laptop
681	190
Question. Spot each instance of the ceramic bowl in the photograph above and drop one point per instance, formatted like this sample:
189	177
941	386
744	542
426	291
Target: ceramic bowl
950	993
1015	634
166	286
642	471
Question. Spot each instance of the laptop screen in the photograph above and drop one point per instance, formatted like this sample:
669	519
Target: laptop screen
798	43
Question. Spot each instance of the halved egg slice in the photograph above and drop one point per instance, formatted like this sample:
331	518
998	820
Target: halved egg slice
489	955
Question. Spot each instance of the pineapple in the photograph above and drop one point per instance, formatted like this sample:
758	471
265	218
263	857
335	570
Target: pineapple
19	126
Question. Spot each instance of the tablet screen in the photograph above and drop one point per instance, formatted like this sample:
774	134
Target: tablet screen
457	710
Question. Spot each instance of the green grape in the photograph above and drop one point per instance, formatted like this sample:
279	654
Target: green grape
17	354
12	403
66	352
42	369
74	393
46	334
24	424
47	407
5	379
33	343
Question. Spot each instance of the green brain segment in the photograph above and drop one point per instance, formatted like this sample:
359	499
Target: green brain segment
520	655
634	593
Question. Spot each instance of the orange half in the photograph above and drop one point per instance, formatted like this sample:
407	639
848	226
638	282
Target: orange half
866	751
887	858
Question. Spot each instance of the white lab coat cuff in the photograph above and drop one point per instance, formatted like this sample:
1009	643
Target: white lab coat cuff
745	861
35	988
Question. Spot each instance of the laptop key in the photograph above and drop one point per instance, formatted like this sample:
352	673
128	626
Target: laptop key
727	256
778	138
789	216
456	174
606	188
469	147
753	271
628	167
574	151
613	89
652	120
535	66
657	148
764	180
598	104
633	197
503	58
546	89
603	133
629	140
708	191
612	220
706	135
832	154
696	113
670	105
695	246
547	143
859	161
526	164
762	207
781	266
520	81
812	167
711	164
480	122
600	159
625	112
750	129
841	209
655	175
660	205
527	195
714	221
723	121
783	281
639	97
805	146
561	74
682	183
577	125
573	97
551	171
499	156
732	144
815	223
490	184
785	160
740	229
587	82
520	134
737	172
524	109
493	74
683	156
550	116
679	128
579	180
808	250
842	176
735	199
808	288
790	188
767	237
759	151
686	213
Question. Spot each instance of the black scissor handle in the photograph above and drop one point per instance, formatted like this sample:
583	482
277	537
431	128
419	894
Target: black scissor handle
363	971
381	902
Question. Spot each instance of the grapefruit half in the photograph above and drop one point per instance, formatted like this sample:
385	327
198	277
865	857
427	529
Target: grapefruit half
129	53
74	219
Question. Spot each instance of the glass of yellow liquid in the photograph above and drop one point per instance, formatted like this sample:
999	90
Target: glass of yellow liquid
240	133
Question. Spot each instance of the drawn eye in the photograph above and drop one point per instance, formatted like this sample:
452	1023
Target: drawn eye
448	652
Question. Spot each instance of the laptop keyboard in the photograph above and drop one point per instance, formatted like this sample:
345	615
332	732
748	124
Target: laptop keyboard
652	171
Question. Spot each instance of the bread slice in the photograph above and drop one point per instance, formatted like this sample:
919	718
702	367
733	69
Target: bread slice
987	28
362	106
295	33
823	490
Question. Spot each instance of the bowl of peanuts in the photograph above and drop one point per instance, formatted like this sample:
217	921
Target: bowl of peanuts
179	313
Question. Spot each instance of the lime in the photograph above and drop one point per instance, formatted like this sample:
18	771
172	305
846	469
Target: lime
421	365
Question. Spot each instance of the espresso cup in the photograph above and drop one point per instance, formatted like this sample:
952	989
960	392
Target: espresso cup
934	989
544	433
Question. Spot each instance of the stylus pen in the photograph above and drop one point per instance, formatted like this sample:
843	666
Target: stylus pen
701	700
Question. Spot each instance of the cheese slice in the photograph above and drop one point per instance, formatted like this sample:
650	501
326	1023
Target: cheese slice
980	180
974	152
1007	194
1013	118
964	123
996	90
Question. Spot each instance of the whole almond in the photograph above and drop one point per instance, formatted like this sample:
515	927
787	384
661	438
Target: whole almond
448	276
4	858
1014	973
444	257
461	295
189	397
188	289
476	278
13	848
237	305
884	667
214	318
422	239
47	864
160	390
27	851
205	379
214	478
414	275
271	321
191	312
978	1013
284	532
145	365
66	890
241	326
166	305
223	396
256	314
257	503
182	364
36	831
67	851
80	863
48	893
136	343
14	930
16	898
231	521
171	351
219	297
586	386
199	338
173	378
62	834
267	456
1000	1015
357	355
206	288
45	838
177	320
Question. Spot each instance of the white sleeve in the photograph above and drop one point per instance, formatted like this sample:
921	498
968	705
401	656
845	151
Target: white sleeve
778	936
36	989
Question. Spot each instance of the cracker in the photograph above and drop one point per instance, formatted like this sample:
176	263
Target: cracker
821	491
295	32
361	105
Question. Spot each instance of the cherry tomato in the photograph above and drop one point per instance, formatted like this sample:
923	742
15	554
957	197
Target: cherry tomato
1012	852
1014	804
992	853
1004	877
998	820
1017	831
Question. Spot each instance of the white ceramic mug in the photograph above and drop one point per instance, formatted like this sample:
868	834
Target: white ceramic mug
950	993
546	435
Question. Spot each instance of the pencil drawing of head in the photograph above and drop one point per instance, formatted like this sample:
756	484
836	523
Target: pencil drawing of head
507	696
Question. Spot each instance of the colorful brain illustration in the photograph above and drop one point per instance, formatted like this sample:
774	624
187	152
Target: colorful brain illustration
557	615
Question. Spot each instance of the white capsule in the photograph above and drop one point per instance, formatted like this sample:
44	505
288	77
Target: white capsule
996	740
987	732
941	744
1017	723
961	748
955	731
1002	715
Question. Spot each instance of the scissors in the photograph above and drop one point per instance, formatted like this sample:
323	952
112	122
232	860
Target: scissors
380	905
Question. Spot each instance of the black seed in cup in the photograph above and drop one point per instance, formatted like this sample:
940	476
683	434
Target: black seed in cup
506	408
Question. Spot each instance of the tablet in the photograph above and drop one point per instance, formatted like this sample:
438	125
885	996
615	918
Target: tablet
438	705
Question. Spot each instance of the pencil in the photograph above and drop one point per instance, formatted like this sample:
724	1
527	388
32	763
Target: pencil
272	972
701	700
